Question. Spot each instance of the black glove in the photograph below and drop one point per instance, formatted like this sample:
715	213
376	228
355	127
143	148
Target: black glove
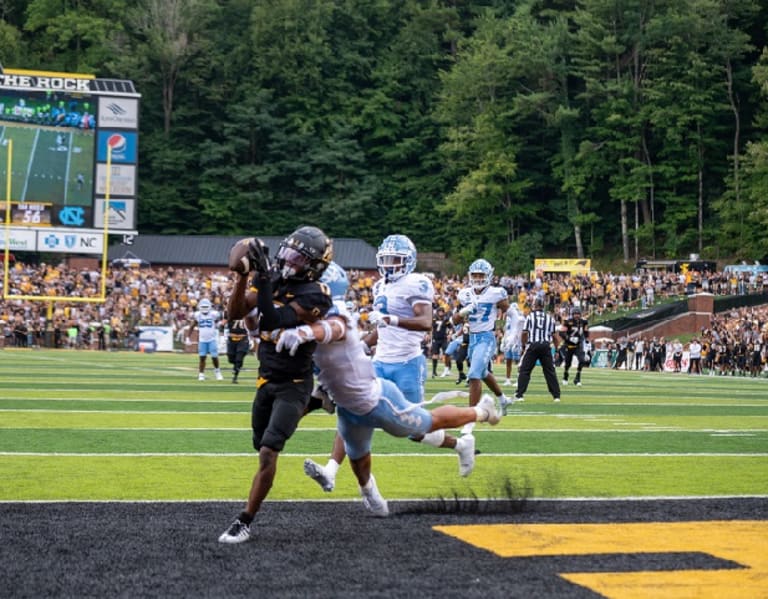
258	255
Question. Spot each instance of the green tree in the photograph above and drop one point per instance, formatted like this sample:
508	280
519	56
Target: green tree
72	35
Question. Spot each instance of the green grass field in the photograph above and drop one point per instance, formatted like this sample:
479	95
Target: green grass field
44	170
133	426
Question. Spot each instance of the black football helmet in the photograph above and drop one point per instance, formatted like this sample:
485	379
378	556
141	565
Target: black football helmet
304	254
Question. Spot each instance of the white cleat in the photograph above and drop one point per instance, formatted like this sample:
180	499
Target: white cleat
372	499
487	412
507	382
201	377
219	376
238	532
465	447
318	474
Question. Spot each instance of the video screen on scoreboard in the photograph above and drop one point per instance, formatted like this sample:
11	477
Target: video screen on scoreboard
54	145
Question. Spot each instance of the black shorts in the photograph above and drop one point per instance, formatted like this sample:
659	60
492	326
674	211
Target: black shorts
438	347
276	411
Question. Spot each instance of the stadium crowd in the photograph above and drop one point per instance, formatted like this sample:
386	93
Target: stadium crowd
734	343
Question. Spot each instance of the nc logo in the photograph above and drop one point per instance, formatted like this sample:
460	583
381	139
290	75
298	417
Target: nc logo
72	215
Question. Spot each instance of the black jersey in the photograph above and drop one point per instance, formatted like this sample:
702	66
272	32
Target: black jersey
440	328
237	330
313	297
574	331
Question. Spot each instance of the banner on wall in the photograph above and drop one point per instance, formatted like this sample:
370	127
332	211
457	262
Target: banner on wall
571	265
158	338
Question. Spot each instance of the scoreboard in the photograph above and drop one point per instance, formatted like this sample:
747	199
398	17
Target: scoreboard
29	214
71	141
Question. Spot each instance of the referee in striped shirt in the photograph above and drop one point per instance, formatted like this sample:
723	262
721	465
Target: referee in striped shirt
538	329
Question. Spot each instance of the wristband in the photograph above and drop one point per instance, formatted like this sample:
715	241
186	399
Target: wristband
327	333
305	331
393	320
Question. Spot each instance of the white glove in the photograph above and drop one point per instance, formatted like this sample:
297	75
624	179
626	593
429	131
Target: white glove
467	310
290	339
506	344
376	318
380	319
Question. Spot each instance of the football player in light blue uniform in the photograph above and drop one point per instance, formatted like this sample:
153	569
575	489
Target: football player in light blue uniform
480	305
402	314
511	342
206	319
365	402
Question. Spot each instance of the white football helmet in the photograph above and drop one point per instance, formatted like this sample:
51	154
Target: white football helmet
396	257
480	274
204	306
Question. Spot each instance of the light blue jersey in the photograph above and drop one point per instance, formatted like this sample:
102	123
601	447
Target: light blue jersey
399	356
482	322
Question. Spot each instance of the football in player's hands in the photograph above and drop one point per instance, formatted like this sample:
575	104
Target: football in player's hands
239	260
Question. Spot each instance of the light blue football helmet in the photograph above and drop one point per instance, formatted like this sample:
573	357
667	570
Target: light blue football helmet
336	279
204	306
396	257
480	274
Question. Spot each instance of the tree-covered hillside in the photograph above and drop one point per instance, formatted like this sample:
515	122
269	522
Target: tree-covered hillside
508	129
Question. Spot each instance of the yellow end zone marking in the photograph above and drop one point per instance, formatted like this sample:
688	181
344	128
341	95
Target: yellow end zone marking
740	541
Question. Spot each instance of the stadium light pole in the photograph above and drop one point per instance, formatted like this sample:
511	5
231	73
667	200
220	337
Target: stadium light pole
7	254
105	216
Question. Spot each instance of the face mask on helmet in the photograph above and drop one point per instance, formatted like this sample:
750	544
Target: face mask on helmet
480	274
204	306
292	263
304	255
396	257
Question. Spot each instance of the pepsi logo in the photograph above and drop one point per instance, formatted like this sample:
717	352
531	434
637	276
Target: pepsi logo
117	142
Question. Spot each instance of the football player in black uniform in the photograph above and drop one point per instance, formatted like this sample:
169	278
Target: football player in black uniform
573	333
237	345
440	326
287	295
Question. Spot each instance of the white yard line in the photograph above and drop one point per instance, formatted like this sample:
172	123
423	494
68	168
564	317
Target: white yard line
239	500
384	455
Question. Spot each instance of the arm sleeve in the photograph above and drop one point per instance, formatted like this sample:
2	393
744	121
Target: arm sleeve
273	318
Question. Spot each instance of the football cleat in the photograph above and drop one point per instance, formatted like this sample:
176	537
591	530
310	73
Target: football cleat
465	447
238	532
201	377
487	408
504	403
318	474
372	499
